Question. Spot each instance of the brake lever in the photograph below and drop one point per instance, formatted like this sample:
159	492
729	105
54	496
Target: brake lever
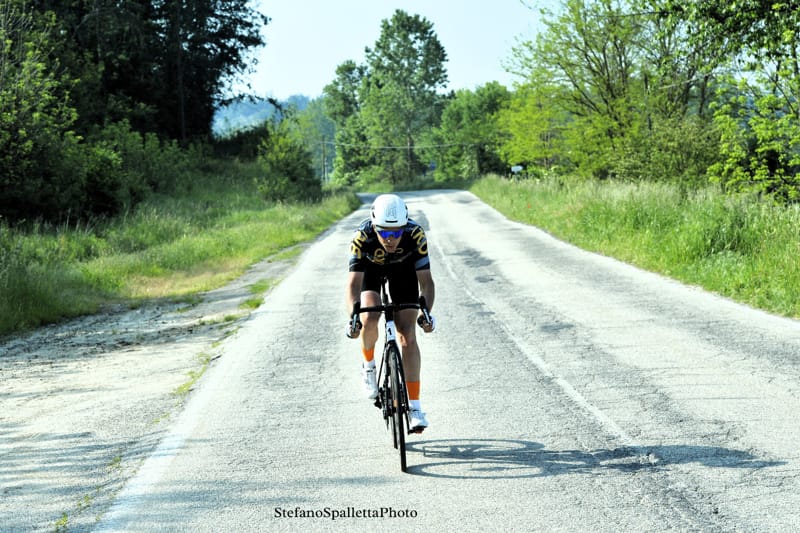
426	317
355	320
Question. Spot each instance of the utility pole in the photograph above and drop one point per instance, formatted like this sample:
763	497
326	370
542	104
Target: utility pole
324	162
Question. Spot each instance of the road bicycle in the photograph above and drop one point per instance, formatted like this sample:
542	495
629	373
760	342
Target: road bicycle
392	397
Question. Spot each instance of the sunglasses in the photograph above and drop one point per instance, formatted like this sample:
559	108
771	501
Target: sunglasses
386	234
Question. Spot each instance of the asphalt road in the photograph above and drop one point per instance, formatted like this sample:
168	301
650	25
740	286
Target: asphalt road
565	391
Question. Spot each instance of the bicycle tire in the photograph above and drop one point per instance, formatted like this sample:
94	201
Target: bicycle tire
398	407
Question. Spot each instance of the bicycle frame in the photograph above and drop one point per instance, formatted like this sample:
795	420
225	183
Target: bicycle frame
392	393
388	310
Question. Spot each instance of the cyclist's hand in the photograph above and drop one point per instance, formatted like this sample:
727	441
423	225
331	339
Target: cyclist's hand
427	322
354	326
425	318
353	329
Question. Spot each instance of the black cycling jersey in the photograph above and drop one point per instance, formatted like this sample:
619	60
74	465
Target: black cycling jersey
366	250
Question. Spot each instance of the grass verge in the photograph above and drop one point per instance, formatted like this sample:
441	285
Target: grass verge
170	247
740	247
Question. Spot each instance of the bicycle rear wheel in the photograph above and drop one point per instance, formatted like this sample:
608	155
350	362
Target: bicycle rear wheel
398	406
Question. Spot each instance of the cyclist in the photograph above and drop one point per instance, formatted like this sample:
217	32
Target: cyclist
390	244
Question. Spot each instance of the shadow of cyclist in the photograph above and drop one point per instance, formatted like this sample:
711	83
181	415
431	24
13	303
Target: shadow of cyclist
496	458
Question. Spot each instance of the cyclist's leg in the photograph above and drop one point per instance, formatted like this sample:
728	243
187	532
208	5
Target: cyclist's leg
369	336
407	338
370	296
404	288
406	320
369	321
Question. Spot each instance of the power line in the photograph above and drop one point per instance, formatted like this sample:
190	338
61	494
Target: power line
398	147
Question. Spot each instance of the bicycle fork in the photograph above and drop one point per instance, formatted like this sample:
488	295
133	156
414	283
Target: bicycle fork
391	339
385	404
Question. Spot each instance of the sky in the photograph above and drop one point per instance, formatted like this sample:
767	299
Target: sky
308	39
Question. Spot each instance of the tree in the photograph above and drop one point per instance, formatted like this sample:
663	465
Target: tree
317	131
591	48
287	164
205	45
86	86
163	66
406	68
762	43
466	144
533	125
342	101
40	162
382	107
590	53
616	74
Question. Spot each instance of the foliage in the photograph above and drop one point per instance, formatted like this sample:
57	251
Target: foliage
765	155
288	173
759	116
89	90
582	74
406	68
313	128
592	49
532	125
48	171
677	72
613	90
342	105
109	174
673	149
38	150
168	246
383	107
242	143
290	131
161	65
467	141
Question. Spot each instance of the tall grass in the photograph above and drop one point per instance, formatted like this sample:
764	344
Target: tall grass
741	247
169	247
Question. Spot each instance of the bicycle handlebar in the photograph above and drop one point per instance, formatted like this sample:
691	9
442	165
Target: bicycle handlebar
357	309
423	320
355	318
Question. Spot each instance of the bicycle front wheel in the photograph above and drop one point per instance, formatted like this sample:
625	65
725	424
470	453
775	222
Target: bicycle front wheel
398	406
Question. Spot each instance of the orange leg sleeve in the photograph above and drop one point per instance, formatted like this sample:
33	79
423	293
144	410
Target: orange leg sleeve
413	390
369	355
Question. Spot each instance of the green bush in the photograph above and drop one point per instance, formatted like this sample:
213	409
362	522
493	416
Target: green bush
678	151
242	143
760	148
146	163
287	166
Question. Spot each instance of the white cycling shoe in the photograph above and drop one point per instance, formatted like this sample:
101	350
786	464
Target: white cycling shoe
370	382
417	422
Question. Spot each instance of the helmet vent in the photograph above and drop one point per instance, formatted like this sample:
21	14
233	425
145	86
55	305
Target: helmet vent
389	210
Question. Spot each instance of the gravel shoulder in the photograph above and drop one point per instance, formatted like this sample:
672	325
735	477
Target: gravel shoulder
84	402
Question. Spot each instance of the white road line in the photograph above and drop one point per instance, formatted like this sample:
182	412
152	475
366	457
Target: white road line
139	488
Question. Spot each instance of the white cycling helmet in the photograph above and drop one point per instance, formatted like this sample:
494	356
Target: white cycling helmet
389	210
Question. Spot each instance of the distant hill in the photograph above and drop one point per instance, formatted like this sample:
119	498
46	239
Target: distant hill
243	114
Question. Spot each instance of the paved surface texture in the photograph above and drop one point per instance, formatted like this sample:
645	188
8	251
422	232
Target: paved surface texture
566	392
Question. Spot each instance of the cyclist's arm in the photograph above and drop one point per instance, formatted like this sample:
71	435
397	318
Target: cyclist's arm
354	281
426	287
